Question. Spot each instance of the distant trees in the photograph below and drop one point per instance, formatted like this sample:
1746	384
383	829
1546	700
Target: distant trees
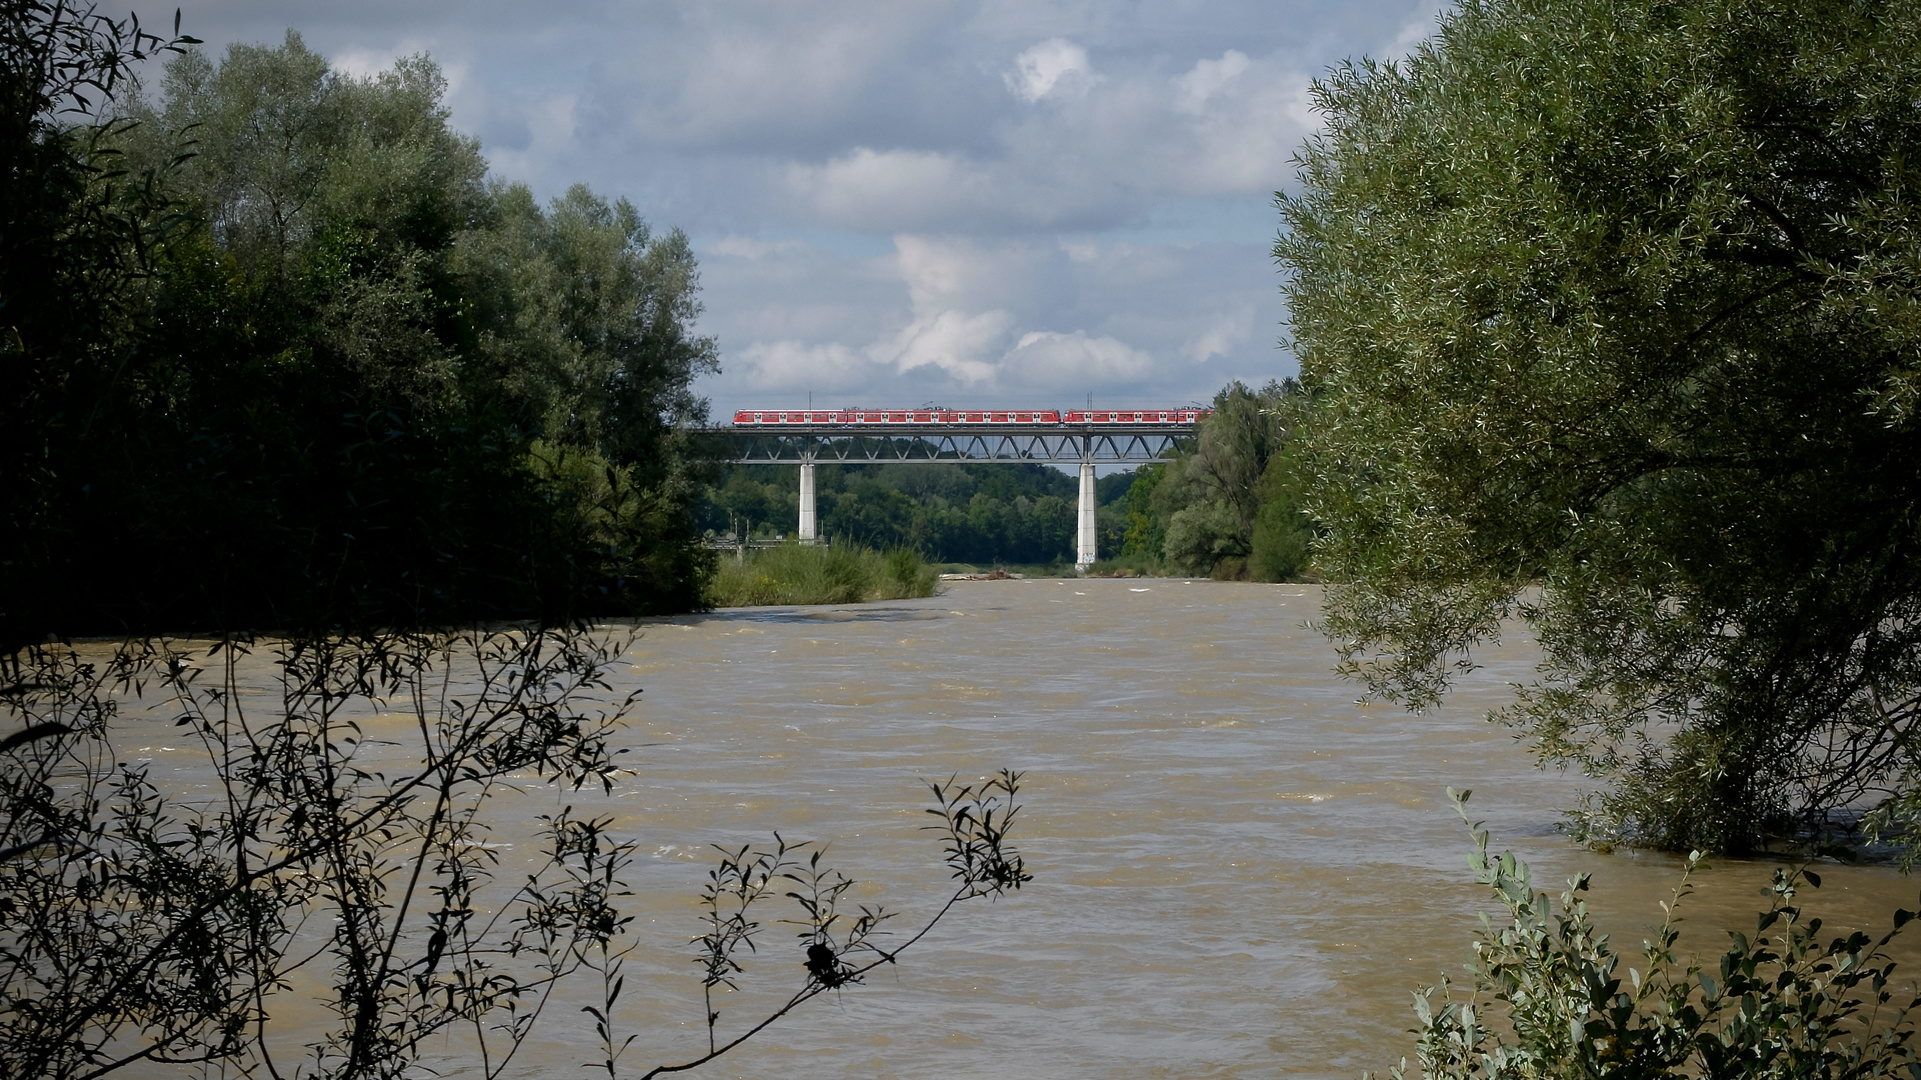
333	375
981	514
1612	316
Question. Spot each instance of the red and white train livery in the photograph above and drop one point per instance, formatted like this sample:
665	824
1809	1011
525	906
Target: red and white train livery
775	417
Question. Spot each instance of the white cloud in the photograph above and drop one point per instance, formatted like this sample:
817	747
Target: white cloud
362	63
1053	65
1207	79
965	176
1219	339
1047	358
1416	30
791	365
889	188
952	341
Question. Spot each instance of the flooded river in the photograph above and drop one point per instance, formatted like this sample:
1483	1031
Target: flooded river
1239	871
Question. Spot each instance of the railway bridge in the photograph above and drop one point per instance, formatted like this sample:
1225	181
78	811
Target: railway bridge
1086	437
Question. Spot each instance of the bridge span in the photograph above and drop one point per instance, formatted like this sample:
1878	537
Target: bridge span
860	437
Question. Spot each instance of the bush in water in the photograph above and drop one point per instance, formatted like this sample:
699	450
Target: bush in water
800	574
1784	1006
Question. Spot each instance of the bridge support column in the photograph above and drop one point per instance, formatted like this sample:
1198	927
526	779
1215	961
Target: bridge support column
808	531
1089	539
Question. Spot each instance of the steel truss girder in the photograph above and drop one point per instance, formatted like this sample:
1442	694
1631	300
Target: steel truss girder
932	444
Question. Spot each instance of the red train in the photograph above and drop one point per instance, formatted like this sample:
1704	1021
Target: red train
764	417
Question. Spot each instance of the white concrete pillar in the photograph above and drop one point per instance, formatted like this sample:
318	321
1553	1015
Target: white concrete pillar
1089	535
808	531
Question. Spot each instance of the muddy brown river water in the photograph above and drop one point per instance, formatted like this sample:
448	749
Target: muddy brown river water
1239	871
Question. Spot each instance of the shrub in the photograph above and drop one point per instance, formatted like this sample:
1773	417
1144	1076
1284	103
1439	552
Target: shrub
341	842
801	574
1549	999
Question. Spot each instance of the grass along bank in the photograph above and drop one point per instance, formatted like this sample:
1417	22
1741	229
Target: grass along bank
796	574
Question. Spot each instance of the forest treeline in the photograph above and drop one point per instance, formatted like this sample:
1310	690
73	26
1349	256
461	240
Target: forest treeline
1227	504
280	353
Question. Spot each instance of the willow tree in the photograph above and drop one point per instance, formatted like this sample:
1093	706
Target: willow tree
1614	311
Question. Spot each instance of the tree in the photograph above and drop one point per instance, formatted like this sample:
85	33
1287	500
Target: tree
76	236
1613	316
317	372
1215	495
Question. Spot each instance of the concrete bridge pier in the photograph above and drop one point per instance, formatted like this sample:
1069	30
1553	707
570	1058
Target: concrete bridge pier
808	531
1089	539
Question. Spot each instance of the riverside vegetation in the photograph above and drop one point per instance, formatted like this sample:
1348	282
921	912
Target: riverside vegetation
807	574
1673	430
275	329
1608	312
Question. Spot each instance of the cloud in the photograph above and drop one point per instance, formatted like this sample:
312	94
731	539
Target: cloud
951	341
891	187
550	124
745	247
363	63
1053	65
1208	78
1219	339
1047	358
1008	199
791	365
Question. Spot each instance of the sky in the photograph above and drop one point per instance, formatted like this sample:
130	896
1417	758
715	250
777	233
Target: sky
904	202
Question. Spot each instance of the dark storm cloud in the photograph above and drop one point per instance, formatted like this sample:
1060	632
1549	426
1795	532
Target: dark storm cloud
976	200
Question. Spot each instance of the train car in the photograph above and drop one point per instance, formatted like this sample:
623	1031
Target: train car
862	417
1137	416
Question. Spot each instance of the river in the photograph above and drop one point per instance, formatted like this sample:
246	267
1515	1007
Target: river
1239	871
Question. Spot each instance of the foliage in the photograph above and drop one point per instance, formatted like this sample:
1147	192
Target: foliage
809	574
1226	506
340	840
1611	312
1145	533
839	949
148	924
981	514
338	367
1549	999
77	232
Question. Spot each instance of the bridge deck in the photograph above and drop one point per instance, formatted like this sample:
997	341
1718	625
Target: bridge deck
1097	444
